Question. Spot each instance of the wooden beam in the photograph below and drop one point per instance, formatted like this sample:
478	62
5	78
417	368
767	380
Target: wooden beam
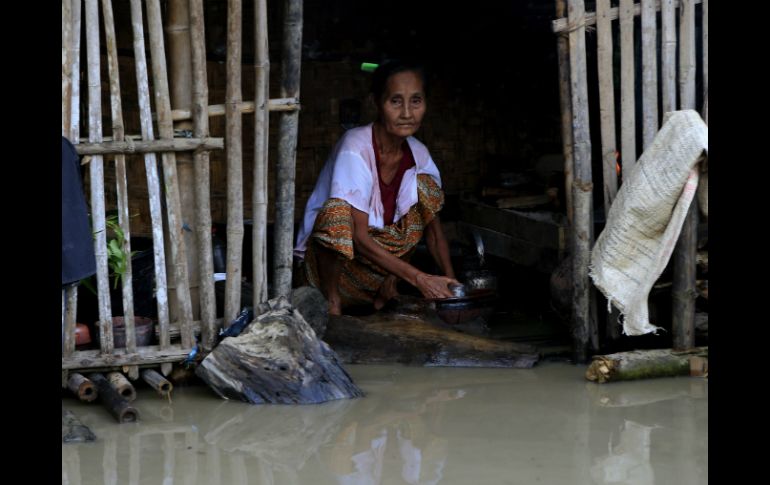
152	146
145	356
278	104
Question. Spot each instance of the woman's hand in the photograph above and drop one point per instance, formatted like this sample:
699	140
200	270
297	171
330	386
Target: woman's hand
434	286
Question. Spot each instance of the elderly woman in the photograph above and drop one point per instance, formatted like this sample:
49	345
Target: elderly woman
377	194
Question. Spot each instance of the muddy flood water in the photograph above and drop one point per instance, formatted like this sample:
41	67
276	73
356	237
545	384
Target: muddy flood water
545	425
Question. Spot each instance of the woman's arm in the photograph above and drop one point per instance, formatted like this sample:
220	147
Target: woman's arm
429	285
438	246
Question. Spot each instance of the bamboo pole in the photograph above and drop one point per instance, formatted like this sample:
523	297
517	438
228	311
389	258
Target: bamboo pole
152	146
70	313
287	150
118	132
74	131
97	175
668	55
234	156
563	24
179	48
214	110
200	101
606	101
584	330
173	203
261	132
627	101
683	291
649	73
157	382
83	388
113	401
153	179
119	382
705	61
66	66
566	111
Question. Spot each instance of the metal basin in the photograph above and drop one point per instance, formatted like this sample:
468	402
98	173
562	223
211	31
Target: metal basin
456	310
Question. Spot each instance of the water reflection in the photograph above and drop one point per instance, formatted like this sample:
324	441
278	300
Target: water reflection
628	460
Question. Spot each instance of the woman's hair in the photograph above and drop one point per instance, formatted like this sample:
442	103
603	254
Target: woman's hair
391	67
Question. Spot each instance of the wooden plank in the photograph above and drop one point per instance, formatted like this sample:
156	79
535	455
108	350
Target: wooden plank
564	24
287	150
144	356
606	102
131	146
261	138
649	73
97	176
627	97
668	55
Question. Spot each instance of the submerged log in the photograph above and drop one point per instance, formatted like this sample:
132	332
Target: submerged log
642	364
82	387
113	401
72	430
277	359
412	333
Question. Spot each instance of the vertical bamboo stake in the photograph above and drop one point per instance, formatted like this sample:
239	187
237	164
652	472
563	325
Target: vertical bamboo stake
606	101
66	66
70	314
649	73
118	134
627	103
97	175
287	149
166	131
668	55
584	330
261	129
200	101
705	28
566	110
153	179
683	291
74	131
234	154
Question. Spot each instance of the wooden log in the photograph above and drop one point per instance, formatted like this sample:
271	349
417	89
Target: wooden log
246	107
153	180
157	382
66	66
148	355
565	105
116	404
668	55
287	150
649	73
173	200
606	102
234	155
97	176
130	146
699	366
627	97
72	430
413	334
277	359
119	382
641	364
564	24
74	129
83	388
200	95
261	138
118	133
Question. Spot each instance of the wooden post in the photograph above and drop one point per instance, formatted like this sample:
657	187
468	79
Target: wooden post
200	102
153	179
74	130
173	202
627	102
66	66
705	32
606	101
287	150
113	401
119	382
180	89
83	388
649	73
234	155
261	131
118	134
668	55
683	291
157	382
97	176
565	101
584	330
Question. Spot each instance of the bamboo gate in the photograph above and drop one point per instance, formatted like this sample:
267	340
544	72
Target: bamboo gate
674	72
178	193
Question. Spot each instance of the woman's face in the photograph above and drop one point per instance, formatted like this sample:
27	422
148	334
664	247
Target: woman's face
402	105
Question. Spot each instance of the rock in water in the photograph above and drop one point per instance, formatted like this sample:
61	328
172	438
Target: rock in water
277	359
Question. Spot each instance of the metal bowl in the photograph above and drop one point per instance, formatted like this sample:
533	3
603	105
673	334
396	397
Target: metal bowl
456	310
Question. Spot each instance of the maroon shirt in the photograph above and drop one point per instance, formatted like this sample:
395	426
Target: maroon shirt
389	192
